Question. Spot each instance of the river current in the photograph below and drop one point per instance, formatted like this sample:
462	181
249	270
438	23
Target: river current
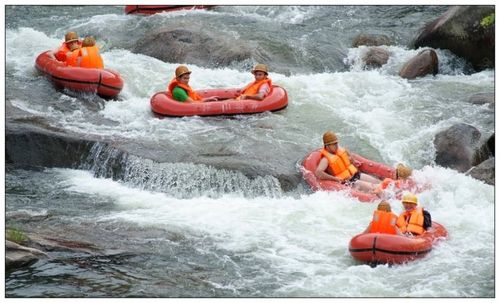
183	228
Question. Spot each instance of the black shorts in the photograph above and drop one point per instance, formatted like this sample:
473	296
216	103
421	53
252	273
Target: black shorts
353	179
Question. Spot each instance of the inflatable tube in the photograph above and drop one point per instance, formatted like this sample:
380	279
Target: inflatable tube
311	161
104	82
377	248
163	104
154	9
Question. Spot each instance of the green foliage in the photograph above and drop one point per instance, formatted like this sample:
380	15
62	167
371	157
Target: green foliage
488	20
15	235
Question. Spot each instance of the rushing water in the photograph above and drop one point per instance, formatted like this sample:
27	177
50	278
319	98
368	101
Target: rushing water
185	229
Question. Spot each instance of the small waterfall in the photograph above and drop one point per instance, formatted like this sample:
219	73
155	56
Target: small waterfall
180	180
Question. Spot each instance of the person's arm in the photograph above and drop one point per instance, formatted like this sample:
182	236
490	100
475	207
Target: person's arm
354	162
322	174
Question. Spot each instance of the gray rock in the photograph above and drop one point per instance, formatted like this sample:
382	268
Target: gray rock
426	62
181	45
456	147
371	40
465	31
485	171
483	98
18	256
376	57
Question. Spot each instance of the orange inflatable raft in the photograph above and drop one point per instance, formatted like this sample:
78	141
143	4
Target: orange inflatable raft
162	103
104	82
311	161
154	9
377	248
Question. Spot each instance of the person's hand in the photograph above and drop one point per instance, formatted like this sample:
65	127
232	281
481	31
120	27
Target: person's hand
243	97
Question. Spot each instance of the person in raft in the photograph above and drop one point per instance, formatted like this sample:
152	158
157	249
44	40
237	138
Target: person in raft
71	43
414	220
87	56
181	91
401	175
383	220
260	88
337	165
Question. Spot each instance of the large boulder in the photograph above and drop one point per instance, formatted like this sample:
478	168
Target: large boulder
456	147
424	63
467	31
199	48
484	171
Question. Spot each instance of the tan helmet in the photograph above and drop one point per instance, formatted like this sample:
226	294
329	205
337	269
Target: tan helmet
384	206
403	171
181	70
88	41
70	37
329	138
410	198
260	68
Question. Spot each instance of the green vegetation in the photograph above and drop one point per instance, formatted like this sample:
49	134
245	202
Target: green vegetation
15	235
488	20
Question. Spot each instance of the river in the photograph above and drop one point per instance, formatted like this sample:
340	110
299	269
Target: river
200	208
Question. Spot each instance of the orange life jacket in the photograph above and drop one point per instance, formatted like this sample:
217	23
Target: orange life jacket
191	93
253	88
91	57
383	222
339	164
63	50
72	60
412	221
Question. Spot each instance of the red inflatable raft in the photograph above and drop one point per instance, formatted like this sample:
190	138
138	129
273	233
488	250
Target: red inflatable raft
163	104
154	9
311	162
376	248
104	82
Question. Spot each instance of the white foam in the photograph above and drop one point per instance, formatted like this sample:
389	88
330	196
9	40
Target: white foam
307	238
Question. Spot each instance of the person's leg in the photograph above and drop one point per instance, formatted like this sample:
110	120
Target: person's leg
369	179
364	186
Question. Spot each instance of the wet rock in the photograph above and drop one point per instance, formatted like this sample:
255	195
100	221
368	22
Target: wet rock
371	40
18	255
35	147
483	98
467	31
426	62
456	147
485	151
376	57
44	149
485	171
48	243
491	144
199	48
